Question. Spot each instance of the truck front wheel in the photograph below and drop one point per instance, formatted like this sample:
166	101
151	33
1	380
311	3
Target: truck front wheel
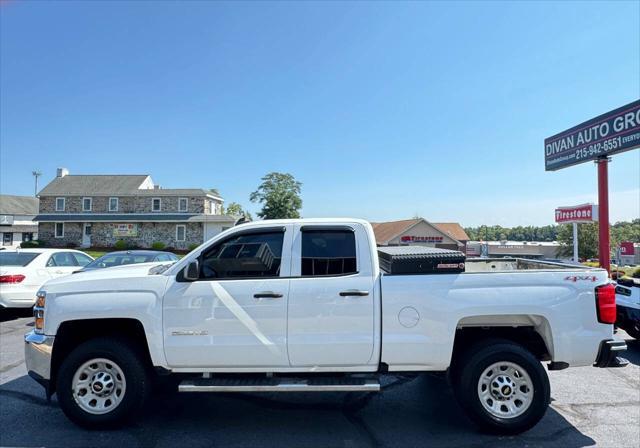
502	387
102	383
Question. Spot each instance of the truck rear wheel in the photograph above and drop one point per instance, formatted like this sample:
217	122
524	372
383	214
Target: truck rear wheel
502	387
102	383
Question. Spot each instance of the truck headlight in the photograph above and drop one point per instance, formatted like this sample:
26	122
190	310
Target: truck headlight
38	311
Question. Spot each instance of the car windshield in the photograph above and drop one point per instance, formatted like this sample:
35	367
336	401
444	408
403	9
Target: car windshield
17	258
110	260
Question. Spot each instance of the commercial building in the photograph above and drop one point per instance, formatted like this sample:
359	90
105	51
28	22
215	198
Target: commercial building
419	231
99	210
16	219
548	250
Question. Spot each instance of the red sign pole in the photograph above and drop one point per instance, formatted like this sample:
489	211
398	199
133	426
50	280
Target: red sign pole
603	213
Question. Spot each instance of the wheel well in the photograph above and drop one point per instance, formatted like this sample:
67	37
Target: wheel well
72	333
526	336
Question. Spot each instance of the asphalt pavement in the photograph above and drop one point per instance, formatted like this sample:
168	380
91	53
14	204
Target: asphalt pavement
590	407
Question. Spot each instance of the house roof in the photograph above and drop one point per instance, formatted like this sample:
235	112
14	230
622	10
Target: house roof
88	185
386	231
453	229
18	205
114	185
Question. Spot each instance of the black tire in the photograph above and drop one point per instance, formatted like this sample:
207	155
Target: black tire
128	359
466	376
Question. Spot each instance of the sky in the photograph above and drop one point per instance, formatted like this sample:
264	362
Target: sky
383	111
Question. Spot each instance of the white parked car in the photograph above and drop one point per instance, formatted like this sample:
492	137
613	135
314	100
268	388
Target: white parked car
313	305
24	271
628	307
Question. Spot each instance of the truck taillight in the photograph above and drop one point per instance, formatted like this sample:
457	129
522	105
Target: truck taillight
606	303
17	278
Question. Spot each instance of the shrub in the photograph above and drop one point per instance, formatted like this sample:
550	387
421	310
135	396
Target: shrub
31	244
158	245
192	246
120	245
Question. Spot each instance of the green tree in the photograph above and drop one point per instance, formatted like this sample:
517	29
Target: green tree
279	194
235	209
587	240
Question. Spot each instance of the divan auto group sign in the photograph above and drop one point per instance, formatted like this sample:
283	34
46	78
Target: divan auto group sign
611	133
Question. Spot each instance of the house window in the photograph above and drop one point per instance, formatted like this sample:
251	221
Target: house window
60	204
7	239
113	204
156	204
86	204
181	232
27	236
183	204
59	229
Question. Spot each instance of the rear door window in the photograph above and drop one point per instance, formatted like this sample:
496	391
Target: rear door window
17	258
328	252
62	259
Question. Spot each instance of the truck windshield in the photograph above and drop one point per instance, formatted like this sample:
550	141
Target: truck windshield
17	258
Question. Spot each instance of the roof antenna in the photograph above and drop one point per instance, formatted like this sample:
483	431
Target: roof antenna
36	174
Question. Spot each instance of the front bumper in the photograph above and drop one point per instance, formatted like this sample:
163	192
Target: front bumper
37	355
608	354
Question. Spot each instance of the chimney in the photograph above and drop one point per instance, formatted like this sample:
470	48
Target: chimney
61	172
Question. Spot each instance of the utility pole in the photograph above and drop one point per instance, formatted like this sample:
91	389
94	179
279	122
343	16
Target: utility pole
36	174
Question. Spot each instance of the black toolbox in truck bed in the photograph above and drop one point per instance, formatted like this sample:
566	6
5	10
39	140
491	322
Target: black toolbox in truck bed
398	260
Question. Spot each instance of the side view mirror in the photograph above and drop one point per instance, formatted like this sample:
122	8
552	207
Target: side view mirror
191	272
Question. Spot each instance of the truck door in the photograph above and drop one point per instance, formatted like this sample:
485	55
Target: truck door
331	297
235	315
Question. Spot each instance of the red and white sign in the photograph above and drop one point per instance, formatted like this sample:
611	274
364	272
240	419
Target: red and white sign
421	239
626	248
577	213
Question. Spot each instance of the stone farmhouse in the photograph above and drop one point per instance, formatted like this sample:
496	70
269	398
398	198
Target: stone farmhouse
99	210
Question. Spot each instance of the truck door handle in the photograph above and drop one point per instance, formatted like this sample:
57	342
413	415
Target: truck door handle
267	295
354	293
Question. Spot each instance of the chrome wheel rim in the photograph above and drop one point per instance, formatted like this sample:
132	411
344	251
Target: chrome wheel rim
505	390
99	386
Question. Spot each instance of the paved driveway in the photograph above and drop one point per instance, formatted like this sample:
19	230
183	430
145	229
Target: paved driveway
590	407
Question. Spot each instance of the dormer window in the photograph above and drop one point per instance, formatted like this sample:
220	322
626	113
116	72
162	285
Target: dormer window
60	204
86	204
183	204
156	204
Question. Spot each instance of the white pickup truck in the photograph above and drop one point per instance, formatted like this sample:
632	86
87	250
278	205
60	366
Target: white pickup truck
303	305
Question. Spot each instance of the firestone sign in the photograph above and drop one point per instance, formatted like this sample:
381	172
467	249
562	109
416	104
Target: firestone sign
421	239
577	213
611	133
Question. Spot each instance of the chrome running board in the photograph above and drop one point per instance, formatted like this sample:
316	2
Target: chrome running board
279	385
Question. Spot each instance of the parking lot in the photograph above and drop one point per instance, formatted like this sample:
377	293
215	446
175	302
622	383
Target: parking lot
589	407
